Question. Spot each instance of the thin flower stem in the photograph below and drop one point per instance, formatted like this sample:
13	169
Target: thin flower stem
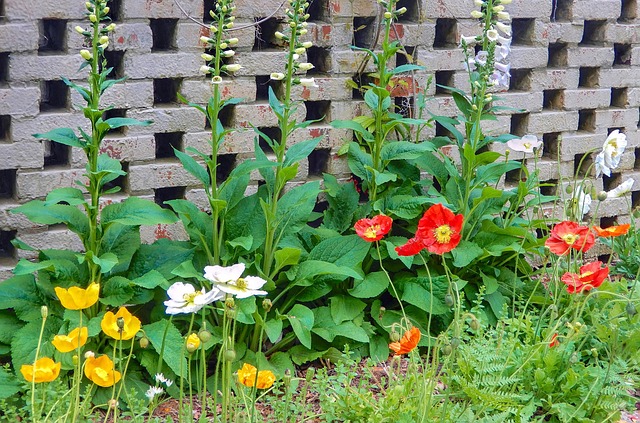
395	292
33	376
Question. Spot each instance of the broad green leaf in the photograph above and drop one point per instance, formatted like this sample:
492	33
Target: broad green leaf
123	241
300	354
490	282
38	212
382	178
25	340
21	294
116	291
71	196
108	169
64	136
8	326
9	384
136	211
274	103
407	67
371	286
414	294
106	262
287	257
244	242
296	205
301	320
309	269
465	253
354	126
408	206
351	331
379	348
247	210
347	250
371	99
343	202
85	93
170	348
345	308
163	256
273	329
403	150
359	161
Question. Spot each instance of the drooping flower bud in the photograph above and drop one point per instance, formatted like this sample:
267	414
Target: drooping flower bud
86	55
207	57
476	14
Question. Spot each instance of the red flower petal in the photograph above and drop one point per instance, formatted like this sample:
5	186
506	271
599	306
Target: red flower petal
569	235
440	229
411	248
408	342
373	229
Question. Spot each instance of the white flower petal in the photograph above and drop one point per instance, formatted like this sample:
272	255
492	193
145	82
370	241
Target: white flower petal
219	274
622	189
178	290
254	282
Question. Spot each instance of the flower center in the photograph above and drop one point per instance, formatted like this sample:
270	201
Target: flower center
527	145
190	298
443	234
586	274
101	373
241	284
372	231
570	238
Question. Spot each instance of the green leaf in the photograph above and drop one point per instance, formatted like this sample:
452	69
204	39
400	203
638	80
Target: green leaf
123	241
273	329
301	320
296	205
408	206
8	326
344	308
64	136
25	340
287	256
407	67
354	126
106	262
244	242
403	150
116	291
465	253
156	257
21	294
118	122
193	167
351	331
274	103
300	150
371	99
347	250
9	384
300	354
309	269
71	196
173	353
38	212
371	286
418	296
136	211
490	282
359	161
85	93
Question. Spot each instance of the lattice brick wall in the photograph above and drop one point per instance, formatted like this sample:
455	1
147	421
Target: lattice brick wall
574	74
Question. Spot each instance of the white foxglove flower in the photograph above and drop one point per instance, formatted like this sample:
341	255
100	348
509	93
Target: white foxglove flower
207	57
506	29
504	16
481	57
205	69
233	68
306	66
232	41
277	76
228	53
153	391
526	144
470	41
216	80
230	280
493	35
183	298
621	190
506	69
307	44
308	82
502	52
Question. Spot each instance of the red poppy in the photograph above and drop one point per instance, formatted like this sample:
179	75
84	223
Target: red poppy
407	343
438	232
373	229
612	231
554	341
567	235
591	276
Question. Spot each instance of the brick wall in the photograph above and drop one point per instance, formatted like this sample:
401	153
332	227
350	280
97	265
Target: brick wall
574	74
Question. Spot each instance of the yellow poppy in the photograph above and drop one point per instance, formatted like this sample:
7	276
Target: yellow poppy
128	327
247	377
75	339
100	371
76	298
193	342
46	370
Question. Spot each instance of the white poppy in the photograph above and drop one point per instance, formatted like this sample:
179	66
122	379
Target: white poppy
621	190
230	280
183	298
526	144
612	149
581	202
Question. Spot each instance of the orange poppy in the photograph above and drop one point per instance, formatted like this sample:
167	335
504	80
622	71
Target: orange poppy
438	231
569	235
591	276
554	341
373	229
612	231
407	343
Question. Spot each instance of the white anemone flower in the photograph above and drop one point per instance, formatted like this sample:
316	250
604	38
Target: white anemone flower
230	280
526	144
153	392
183	298
621	190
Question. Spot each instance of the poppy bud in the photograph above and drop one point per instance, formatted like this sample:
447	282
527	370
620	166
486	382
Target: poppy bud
631	309
44	311
447	350
594	352
394	336
602	195
574	358
455	342
636	212
569	189
75	359
230	355
448	300
204	335
474	324
144	342
89	354
229	302
120	323
311	371
112	403
267	304
287	378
